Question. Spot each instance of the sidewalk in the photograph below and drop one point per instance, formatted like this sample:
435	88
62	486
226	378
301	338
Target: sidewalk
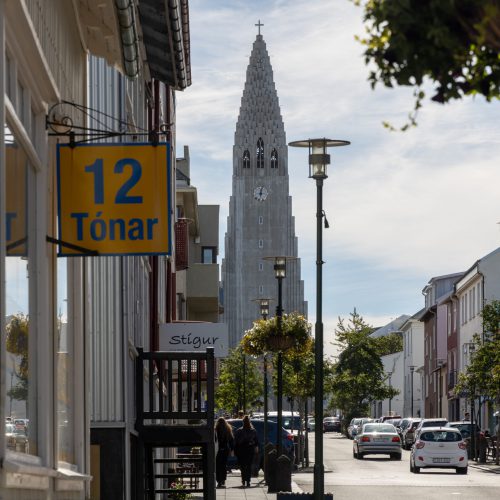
488	466
257	490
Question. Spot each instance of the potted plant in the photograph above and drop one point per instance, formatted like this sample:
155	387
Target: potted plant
293	337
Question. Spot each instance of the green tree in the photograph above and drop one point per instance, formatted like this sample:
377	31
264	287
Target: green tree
240	382
482	375
358	376
389	344
17	343
452	44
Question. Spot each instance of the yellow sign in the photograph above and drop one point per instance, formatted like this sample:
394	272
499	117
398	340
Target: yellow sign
16	200
114	199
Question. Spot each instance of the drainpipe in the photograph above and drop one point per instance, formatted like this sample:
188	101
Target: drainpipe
128	36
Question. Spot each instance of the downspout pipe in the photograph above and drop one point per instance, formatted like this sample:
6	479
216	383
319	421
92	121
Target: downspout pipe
128	36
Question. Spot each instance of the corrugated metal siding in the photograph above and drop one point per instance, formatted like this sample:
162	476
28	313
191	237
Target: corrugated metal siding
119	285
106	338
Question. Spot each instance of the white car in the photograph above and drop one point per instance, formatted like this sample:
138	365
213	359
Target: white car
439	447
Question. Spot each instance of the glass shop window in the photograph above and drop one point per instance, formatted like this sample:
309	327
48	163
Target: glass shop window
20	404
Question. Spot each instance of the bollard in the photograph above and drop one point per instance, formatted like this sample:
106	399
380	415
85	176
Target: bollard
267	449
283	474
483	447
272	465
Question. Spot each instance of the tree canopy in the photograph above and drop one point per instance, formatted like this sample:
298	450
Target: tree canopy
240	383
358	375
17	343
454	45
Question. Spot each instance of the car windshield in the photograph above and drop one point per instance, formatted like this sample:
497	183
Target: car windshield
378	428
440	436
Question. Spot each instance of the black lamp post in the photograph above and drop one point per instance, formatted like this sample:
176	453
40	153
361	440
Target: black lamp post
412	369
318	161
389	374
264	312
279	273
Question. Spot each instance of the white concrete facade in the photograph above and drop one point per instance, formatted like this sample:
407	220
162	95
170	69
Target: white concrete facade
413	363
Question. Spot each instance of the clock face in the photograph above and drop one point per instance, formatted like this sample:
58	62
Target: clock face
260	193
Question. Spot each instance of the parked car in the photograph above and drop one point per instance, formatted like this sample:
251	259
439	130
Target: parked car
356	429
352	424
403	424
408	436
16	439
464	428
387	417
376	439
289	420
430	422
311	424
439	447
272	429
331	424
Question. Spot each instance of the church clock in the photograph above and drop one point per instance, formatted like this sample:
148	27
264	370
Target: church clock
260	193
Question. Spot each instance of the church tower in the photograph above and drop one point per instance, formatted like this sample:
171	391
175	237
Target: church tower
260	222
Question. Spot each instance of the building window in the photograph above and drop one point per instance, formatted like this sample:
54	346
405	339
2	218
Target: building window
260	153
261	220
208	255
261	289
261	266
274	158
20	345
261	243
246	159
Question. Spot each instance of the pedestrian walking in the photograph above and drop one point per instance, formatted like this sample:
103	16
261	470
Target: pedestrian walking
246	445
225	442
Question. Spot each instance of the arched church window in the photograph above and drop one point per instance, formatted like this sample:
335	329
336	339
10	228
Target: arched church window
260	153
274	158
246	159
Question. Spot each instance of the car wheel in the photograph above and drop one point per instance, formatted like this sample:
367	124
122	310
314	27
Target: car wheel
397	456
411	467
361	455
416	470
461	470
354	454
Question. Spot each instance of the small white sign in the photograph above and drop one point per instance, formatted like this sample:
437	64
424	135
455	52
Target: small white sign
195	337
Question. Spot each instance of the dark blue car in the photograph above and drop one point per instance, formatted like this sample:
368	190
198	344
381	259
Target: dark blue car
272	427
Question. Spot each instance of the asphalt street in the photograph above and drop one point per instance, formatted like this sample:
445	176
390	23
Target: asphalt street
379	478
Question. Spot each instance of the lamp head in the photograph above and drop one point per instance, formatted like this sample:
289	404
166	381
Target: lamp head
318	157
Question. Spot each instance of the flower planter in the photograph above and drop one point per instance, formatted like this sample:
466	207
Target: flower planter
276	343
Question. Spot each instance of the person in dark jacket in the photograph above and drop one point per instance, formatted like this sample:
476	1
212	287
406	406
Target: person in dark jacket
246	445
225	442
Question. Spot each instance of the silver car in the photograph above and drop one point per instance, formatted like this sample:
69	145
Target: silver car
377	439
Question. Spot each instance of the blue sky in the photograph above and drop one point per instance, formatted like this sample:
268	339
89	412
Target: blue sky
402	207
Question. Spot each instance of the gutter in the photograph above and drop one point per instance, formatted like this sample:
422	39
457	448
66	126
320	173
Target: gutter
128	36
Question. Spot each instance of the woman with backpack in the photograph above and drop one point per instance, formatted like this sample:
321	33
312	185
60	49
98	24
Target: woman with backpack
225	441
245	447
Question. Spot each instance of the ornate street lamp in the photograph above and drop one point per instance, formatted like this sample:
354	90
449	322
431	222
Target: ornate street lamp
318	161
264	312
280	274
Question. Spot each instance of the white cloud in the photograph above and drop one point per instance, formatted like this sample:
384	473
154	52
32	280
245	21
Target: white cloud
406	206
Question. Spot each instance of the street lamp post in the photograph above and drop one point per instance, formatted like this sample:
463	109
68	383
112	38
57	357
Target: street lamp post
318	161
279	273
412	369
264	312
389	374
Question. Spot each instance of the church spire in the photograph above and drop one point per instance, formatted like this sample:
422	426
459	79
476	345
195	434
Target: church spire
260	114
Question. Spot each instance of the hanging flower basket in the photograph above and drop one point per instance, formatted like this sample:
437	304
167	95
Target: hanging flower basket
294	336
276	343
